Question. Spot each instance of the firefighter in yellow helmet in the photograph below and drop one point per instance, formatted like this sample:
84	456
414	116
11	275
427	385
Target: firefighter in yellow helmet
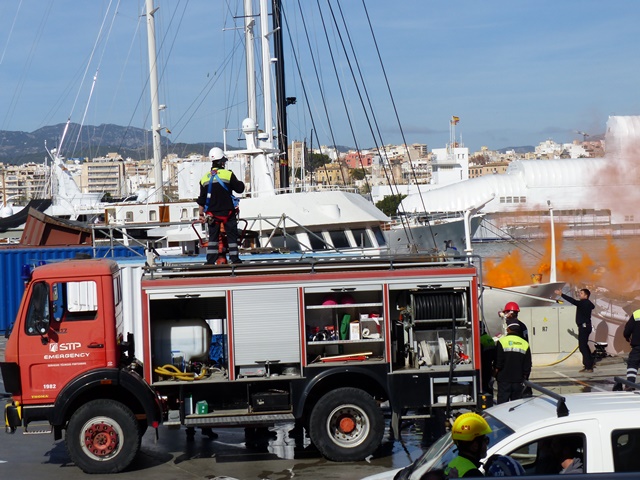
469	433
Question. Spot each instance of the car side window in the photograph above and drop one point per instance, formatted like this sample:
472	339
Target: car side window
626	445
550	455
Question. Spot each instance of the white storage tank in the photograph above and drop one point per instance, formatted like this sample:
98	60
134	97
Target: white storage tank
186	338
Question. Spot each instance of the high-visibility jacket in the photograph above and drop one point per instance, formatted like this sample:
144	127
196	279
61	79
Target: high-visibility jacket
632	329
220	201
463	466
513	359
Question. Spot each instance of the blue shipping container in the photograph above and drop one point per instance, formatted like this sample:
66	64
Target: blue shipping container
12	260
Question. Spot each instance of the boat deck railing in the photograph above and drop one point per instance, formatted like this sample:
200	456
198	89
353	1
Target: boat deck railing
282	227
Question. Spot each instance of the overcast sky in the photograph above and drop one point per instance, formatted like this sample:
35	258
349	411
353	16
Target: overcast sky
515	73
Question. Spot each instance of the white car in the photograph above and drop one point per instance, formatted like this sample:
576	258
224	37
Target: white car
605	426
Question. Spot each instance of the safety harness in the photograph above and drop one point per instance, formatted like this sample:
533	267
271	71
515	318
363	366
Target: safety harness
234	199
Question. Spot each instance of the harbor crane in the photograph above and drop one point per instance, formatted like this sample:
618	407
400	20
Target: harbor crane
584	135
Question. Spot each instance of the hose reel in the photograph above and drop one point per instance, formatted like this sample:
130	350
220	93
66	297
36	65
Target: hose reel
438	306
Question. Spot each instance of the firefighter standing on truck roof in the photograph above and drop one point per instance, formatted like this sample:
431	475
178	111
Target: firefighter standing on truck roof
469	433
216	206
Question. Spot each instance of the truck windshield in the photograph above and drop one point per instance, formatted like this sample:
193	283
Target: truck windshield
444	450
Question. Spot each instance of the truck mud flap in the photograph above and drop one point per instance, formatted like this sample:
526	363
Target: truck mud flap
11	418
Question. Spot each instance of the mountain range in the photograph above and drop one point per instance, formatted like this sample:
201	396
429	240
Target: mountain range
96	141
93	141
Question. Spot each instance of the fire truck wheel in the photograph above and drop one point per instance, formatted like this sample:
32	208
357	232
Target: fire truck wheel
103	437
346	425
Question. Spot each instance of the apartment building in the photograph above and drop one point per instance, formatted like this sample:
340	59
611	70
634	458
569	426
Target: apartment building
21	183
491	168
105	175
332	174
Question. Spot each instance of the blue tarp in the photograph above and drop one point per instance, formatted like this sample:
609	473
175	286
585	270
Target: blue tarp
12	260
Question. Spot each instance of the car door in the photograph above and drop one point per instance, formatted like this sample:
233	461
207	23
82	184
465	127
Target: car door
533	449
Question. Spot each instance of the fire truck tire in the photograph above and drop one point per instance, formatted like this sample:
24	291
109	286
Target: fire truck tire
103	437
346	425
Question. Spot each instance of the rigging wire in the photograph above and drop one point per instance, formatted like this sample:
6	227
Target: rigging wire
95	76
496	230
383	155
148	76
315	67
302	82
341	89
212	80
120	80
13	24
25	70
395	110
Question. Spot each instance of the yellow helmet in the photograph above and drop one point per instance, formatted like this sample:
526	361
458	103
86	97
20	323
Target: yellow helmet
469	426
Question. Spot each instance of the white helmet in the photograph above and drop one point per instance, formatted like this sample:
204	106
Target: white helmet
216	154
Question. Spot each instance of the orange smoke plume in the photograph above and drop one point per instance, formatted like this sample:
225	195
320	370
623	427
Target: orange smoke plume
601	266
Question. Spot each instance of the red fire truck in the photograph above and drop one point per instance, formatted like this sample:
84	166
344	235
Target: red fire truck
320	342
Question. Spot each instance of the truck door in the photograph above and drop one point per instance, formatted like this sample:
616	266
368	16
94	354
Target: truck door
62	337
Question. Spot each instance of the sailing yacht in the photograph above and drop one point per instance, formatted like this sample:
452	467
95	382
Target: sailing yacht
281	219
295	219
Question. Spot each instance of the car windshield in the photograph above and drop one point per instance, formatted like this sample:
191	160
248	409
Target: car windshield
444	450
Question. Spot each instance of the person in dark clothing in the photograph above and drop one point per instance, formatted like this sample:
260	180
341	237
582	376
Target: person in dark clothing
584	306
216	206
488	358
632	335
568	449
513	364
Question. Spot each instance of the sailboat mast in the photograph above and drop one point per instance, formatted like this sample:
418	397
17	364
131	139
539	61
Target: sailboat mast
267	141
249	23
155	103
281	100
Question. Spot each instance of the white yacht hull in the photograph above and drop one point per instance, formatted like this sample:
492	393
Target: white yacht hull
435	235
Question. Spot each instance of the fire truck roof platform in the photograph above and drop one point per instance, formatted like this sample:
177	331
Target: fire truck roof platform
298	263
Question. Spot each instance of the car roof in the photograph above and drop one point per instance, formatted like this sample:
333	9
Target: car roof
527	412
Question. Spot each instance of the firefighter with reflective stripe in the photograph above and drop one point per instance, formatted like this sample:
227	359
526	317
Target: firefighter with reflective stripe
513	364
632	335
469	433
217	208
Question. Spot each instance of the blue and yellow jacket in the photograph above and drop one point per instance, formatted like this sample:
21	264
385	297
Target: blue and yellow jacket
220	202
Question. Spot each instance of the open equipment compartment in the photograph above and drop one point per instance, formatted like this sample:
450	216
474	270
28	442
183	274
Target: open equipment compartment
344	320
187	332
436	324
